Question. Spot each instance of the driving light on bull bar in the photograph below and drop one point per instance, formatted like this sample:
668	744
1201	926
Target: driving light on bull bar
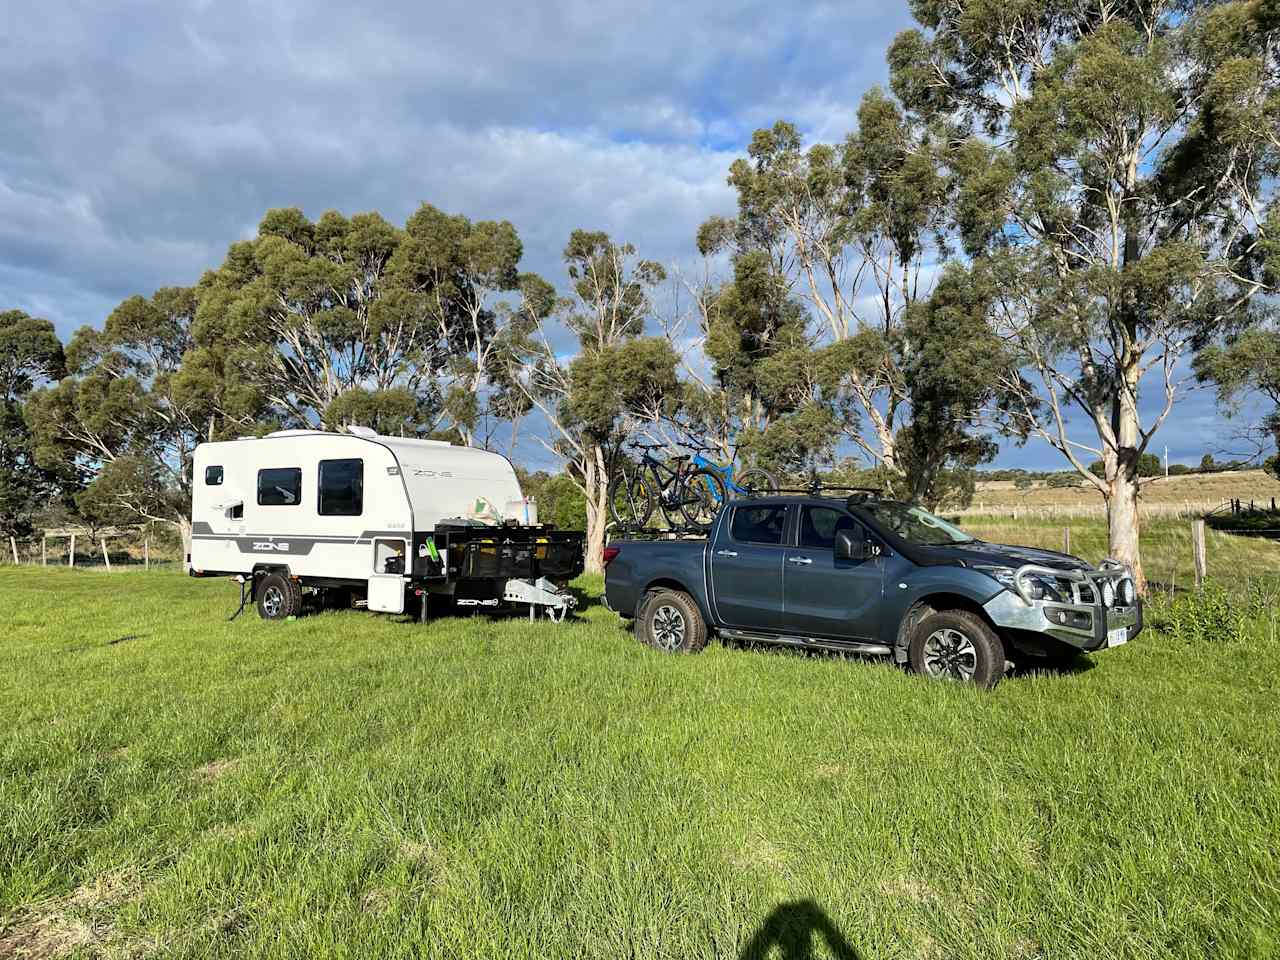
1079	619
1127	592
1108	593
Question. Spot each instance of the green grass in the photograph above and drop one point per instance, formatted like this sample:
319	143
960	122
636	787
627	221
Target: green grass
351	785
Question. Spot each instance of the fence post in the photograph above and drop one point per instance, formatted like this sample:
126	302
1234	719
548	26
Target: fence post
146	553
71	555
1066	539
106	557
13	545
1197	552
44	551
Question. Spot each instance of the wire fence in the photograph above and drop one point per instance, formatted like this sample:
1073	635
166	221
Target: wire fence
115	548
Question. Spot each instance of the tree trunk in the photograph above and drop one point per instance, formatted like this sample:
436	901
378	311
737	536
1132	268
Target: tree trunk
184	528
1123	524
1123	527
596	486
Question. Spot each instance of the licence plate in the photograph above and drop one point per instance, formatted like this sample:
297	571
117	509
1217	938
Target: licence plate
1118	623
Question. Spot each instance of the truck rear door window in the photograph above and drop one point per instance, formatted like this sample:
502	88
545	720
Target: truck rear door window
758	524
341	488
280	487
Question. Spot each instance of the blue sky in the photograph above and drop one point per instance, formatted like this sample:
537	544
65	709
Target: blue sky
138	139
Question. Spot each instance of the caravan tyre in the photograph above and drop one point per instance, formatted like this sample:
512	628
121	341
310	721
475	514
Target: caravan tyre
279	597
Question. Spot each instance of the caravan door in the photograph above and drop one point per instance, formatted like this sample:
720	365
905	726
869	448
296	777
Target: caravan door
386	585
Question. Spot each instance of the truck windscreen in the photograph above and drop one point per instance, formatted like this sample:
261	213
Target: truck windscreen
914	525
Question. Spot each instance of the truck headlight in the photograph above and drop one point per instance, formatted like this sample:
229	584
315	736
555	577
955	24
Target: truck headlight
1038	587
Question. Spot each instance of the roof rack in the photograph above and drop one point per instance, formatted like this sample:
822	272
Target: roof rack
818	489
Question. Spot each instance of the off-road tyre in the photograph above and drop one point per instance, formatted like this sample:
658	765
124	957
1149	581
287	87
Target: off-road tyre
963	648
670	622
278	596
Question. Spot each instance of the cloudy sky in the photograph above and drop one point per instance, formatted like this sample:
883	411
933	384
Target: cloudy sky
138	139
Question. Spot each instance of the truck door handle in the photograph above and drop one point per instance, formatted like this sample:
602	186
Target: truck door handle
803	560
726	553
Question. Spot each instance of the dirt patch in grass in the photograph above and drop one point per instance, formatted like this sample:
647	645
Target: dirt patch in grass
375	900
908	888
80	920
761	855
214	770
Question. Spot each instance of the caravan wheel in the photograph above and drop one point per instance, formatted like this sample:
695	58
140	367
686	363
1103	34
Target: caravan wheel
279	597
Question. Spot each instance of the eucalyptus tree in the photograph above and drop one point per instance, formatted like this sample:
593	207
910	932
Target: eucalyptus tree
852	230
615	374
350	318
136	399
30	355
765	394
468	274
1114	167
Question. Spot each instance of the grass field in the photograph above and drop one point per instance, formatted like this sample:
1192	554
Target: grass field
350	785
1161	497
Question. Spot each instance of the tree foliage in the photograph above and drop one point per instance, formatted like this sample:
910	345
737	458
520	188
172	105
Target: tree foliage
1113	168
30	354
353	317
137	398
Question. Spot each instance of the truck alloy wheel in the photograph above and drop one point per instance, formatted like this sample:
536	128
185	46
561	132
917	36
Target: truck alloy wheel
668	627
956	645
670	621
949	654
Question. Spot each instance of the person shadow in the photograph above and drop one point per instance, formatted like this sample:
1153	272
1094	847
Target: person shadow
789	931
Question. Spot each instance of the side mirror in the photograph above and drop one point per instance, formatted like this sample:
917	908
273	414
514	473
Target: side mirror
849	546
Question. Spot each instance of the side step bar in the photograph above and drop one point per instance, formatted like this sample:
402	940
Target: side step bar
842	646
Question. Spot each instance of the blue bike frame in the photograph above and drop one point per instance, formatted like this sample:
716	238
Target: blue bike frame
726	471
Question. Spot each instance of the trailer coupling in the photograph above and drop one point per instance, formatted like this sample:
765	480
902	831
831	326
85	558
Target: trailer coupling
541	594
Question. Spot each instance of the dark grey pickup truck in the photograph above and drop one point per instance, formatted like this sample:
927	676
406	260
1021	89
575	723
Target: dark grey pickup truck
868	576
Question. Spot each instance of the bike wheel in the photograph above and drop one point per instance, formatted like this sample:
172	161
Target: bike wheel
630	500
701	496
756	482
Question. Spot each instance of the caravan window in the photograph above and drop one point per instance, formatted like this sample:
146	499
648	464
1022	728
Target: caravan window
213	476
279	487
341	488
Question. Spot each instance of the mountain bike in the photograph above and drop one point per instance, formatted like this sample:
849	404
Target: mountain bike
751	482
693	492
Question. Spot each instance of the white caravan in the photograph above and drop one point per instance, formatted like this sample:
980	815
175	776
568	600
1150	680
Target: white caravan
372	519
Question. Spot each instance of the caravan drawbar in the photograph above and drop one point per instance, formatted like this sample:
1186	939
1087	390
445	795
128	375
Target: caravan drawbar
374	517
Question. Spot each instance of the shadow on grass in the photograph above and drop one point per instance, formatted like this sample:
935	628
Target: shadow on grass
790	930
1062	666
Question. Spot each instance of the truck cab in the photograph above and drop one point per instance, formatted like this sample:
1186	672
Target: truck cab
870	576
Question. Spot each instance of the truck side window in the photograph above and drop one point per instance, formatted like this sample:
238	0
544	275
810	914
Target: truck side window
341	488
819	526
213	476
758	524
279	487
